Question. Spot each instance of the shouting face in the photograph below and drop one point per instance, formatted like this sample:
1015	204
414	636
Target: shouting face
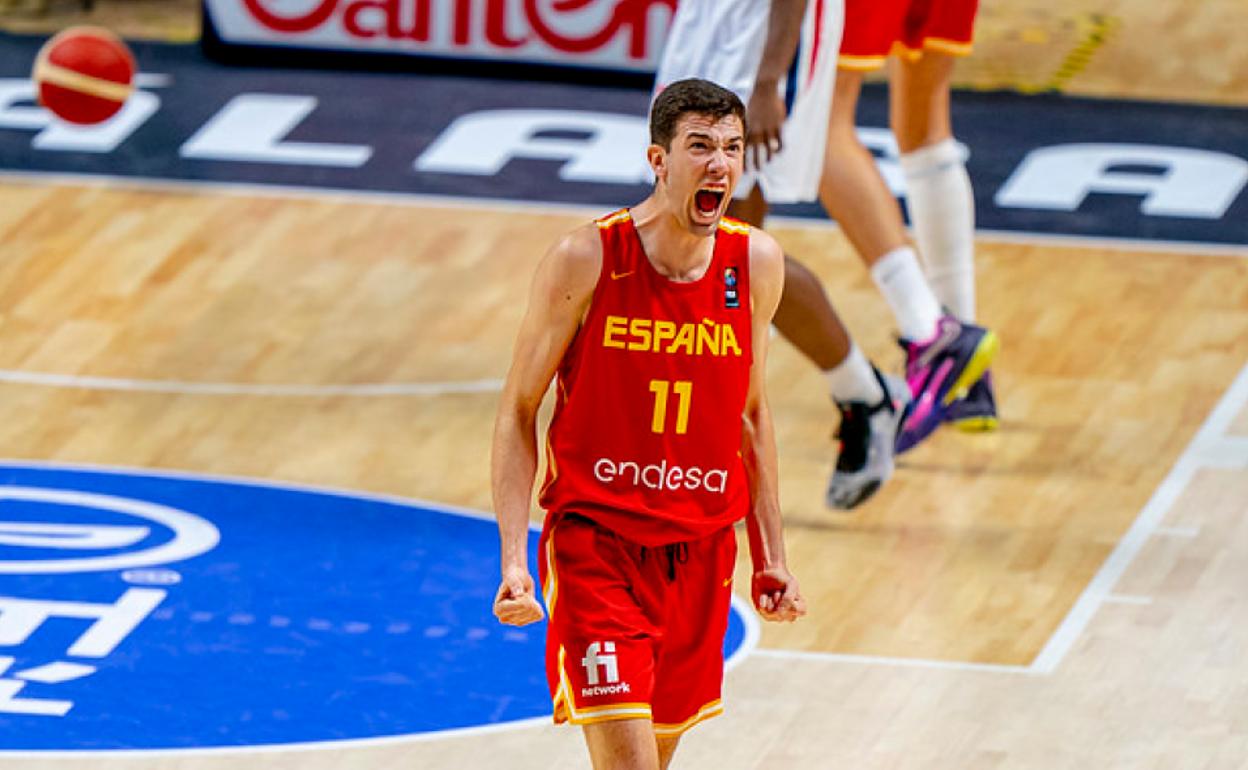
701	170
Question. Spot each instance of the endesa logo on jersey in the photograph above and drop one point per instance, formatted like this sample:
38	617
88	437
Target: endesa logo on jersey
615	34
143	611
660	475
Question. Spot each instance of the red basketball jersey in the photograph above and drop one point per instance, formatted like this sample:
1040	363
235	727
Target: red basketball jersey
646	433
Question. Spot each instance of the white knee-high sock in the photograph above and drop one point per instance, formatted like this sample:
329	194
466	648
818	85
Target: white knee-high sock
905	288
942	211
853	379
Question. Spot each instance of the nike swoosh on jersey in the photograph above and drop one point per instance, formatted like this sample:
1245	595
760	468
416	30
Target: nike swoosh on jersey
617	276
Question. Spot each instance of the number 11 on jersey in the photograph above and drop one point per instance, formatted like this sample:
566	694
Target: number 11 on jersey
684	394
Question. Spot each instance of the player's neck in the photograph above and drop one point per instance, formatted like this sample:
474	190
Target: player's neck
675	253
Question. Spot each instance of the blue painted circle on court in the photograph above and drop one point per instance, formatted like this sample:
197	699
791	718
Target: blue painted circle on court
164	612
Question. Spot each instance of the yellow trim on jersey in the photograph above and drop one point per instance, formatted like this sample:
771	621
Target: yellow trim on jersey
550	591
860	63
551	466
611	220
939	44
712	709
734	226
562	701
611	714
952	47
870	63
591	711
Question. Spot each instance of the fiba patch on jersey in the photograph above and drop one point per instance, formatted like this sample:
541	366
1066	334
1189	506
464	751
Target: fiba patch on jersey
731	300
172	612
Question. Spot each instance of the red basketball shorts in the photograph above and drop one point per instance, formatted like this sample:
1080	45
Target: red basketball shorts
634	632
874	29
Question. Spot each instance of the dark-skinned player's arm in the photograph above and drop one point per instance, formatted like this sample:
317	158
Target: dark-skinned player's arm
562	288
765	113
773	588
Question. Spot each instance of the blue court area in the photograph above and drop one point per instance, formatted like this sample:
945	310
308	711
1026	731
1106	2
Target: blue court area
286	615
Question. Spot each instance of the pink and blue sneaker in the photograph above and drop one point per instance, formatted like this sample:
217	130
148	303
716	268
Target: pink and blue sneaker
977	412
939	371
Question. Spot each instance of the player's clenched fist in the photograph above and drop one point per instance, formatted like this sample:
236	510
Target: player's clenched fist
777	595
515	603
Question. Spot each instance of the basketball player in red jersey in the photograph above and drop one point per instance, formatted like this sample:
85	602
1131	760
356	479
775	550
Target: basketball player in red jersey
656	321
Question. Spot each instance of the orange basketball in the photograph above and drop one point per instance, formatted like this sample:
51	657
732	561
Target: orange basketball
83	74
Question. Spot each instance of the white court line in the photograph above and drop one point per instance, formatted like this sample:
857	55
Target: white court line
256	481
1145	525
375	389
256	190
506	205
873	660
1226	452
283	748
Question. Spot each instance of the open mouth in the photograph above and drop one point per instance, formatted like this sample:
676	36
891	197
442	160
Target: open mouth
708	201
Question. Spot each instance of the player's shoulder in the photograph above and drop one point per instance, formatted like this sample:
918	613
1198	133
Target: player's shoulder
766	271
576	258
765	252
580	246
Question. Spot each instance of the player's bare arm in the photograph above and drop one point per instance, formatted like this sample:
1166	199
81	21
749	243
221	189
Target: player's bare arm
774	590
560	293
765	112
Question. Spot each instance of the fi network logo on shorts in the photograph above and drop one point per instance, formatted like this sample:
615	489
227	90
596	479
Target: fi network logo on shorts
601	656
160	612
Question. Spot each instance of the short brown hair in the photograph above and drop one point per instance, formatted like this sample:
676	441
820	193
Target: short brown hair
690	97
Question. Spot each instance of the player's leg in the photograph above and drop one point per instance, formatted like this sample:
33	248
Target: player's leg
808	321
625	744
938	189
944	357
919	100
856	196
667	747
941	203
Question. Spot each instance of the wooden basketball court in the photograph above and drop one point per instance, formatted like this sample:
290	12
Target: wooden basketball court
1066	592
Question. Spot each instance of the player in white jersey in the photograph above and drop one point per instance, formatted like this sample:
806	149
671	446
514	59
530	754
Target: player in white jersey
780	58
